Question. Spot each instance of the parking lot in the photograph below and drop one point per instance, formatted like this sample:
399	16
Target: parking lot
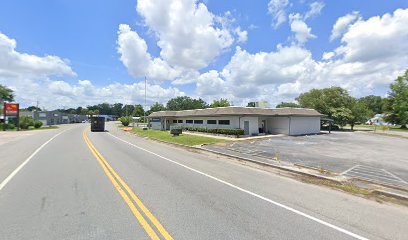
364	155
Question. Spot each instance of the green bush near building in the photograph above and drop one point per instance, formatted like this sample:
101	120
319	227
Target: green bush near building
126	120
5	126
37	124
225	131
26	122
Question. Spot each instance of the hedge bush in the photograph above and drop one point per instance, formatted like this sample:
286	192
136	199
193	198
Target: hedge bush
126	120
26	122
225	131
37	124
5	126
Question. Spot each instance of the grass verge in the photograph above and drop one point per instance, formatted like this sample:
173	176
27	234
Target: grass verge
391	135
380	128
32	129
183	139
353	189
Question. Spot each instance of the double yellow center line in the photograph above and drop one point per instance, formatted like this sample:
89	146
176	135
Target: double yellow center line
128	195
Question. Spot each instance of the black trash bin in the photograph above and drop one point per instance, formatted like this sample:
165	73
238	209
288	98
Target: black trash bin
97	124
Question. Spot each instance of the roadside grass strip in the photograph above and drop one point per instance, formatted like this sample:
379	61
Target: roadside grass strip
183	139
128	195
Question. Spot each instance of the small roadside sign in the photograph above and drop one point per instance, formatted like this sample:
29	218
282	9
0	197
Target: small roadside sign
11	109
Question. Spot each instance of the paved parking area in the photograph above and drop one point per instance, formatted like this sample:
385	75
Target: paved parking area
355	154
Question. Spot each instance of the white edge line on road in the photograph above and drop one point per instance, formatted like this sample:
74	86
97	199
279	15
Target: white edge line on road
251	193
5	181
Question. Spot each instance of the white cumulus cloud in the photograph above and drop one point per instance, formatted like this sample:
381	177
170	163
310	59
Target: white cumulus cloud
134	55
314	9
372	53
15	64
189	35
33	79
342	23
300	29
277	9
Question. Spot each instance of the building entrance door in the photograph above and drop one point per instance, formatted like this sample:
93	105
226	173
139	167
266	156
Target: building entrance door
246	127
263	126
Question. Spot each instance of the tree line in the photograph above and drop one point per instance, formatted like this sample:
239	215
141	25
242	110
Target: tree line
337	104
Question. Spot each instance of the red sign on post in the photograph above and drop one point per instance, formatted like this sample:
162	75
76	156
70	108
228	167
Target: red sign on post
11	109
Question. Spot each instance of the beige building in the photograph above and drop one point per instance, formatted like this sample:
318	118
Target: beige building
253	120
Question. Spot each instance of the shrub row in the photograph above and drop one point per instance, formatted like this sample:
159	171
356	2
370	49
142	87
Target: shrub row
225	131
5	126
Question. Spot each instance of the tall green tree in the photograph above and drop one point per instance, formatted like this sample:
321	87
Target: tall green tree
329	101
138	111
287	104
6	94
157	107
220	103
373	103
397	102
185	103
251	104
117	109
341	115
33	108
127	110
359	112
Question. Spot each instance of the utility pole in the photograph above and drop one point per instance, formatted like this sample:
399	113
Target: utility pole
144	109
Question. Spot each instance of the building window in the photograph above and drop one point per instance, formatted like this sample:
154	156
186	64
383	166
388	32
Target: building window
224	122
174	121
211	121
180	121
189	121
198	121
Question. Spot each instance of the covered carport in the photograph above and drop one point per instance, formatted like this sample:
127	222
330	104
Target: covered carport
293	125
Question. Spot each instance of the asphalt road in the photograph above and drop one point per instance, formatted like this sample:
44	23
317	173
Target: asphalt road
110	185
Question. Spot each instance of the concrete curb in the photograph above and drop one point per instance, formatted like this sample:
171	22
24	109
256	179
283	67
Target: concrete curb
391	194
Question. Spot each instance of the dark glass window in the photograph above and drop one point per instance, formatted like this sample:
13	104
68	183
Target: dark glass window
211	121
189	121
174	121
198	121
180	121
224	122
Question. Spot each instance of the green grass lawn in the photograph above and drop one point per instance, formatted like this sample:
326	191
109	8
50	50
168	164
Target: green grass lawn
183	139
42	128
391	128
32	128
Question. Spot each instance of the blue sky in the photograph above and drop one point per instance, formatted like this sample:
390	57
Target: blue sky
84	35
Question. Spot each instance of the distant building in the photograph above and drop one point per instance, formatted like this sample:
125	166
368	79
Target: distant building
378	119
262	104
55	117
109	117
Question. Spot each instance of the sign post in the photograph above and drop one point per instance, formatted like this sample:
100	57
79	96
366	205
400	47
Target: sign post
12	110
